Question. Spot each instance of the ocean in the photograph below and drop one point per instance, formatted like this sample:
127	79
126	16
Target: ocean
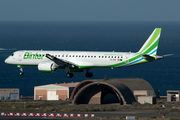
163	74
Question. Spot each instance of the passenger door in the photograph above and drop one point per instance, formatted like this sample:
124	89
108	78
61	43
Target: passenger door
20	55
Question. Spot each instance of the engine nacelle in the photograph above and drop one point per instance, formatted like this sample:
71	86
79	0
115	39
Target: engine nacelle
47	66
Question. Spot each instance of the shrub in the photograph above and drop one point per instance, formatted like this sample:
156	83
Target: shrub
153	117
123	117
174	118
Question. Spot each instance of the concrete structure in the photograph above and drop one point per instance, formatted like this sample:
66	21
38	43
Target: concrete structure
9	93
138	93
54	91
146	99
104	91
173	95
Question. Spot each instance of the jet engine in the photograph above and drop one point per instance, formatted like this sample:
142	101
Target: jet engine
47	66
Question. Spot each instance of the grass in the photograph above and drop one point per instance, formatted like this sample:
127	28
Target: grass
49	106
30	106
168	111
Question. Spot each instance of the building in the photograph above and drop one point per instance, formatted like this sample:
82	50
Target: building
9	93
146	99
173	95
54	91
102	91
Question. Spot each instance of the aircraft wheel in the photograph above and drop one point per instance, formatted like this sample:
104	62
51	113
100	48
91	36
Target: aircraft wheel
21	73
89	75
69	75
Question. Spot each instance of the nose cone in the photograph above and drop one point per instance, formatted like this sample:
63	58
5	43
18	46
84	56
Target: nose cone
6	60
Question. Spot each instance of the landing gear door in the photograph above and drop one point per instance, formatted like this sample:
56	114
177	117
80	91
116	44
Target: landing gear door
20	55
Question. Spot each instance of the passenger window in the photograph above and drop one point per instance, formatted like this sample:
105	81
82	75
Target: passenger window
62	55
79	56
94	56
112	57
58	55
105	56
82	55
76	55
108	56
99	56
88	56
85	56
102	56
69	55
73	55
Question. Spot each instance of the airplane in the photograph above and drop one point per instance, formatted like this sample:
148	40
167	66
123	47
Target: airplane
78	61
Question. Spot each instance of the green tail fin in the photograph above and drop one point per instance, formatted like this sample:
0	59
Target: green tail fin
151	44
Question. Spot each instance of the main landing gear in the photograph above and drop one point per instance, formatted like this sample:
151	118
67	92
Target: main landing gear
89	74
69	75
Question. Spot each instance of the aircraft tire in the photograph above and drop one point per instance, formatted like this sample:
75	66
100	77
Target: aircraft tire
21	73
69	75
89	75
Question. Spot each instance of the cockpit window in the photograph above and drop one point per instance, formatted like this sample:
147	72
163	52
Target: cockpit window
12	54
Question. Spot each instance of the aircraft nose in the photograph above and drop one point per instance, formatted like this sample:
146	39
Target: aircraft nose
5	61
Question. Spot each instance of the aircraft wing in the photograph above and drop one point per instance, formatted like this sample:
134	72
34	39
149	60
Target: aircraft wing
61	62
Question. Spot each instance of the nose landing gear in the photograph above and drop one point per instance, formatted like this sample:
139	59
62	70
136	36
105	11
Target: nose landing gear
21	73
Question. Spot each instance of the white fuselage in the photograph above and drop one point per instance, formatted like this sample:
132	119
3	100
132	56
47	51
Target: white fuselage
80	58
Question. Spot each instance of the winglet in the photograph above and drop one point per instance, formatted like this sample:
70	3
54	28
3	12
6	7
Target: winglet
151	44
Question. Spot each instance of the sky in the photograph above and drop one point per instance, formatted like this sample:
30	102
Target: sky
89	10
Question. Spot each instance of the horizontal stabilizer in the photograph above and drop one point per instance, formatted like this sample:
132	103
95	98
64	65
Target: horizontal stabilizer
148	56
